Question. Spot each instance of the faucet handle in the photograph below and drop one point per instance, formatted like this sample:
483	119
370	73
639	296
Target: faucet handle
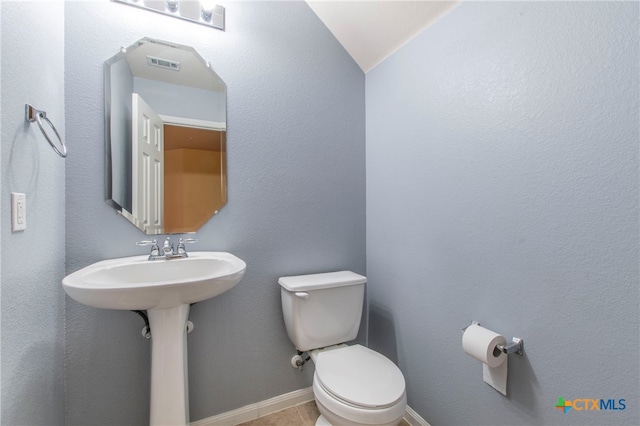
154	246
181	248
188	240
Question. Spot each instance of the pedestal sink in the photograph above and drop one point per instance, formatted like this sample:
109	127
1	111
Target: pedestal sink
165	289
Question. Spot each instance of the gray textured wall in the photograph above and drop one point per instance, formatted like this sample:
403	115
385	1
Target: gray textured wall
296	201
502	186
32	260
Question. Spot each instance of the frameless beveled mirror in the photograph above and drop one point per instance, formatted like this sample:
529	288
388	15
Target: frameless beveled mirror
165	133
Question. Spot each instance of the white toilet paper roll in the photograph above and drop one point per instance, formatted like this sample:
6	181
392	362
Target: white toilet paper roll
481	343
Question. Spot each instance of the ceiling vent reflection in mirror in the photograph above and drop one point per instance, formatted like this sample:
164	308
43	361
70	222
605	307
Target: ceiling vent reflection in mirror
163	63
203	12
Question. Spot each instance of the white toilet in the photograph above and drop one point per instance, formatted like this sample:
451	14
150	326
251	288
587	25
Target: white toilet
352	385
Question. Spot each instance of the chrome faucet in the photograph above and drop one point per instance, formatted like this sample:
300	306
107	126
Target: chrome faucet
167	248
167	252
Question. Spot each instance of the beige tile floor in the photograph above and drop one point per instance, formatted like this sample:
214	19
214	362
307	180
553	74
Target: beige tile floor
304	414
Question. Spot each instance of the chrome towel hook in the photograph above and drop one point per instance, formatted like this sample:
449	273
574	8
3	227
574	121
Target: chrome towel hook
31	114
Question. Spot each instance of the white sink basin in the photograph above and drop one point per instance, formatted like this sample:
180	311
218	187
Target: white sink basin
136	283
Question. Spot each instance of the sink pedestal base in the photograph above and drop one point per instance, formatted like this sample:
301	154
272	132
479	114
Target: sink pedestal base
169	377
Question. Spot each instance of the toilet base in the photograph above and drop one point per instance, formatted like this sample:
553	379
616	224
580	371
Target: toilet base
321	421
329	418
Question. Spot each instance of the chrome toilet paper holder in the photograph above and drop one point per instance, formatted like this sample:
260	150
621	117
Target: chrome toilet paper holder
516	346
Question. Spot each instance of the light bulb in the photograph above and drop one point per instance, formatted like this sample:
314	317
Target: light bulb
207	7
172	5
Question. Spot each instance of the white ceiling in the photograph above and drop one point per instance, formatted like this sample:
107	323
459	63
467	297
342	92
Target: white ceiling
372	30
194	71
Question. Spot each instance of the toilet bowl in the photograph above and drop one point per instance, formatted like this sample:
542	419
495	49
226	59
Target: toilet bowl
354	385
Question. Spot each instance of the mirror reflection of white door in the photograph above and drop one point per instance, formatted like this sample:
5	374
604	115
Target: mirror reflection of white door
147	166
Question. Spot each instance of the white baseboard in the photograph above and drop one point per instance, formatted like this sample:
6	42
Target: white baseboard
414	418
288	400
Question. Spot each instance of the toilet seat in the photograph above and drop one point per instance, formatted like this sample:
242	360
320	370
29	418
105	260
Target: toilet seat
360	377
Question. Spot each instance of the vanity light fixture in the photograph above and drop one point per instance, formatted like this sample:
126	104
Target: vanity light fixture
203	12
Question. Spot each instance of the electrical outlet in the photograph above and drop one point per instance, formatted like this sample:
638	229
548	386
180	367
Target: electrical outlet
18	211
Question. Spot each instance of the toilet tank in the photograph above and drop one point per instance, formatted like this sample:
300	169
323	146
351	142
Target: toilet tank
322	309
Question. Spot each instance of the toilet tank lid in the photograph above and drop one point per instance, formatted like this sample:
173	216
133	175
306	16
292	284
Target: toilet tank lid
320	281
